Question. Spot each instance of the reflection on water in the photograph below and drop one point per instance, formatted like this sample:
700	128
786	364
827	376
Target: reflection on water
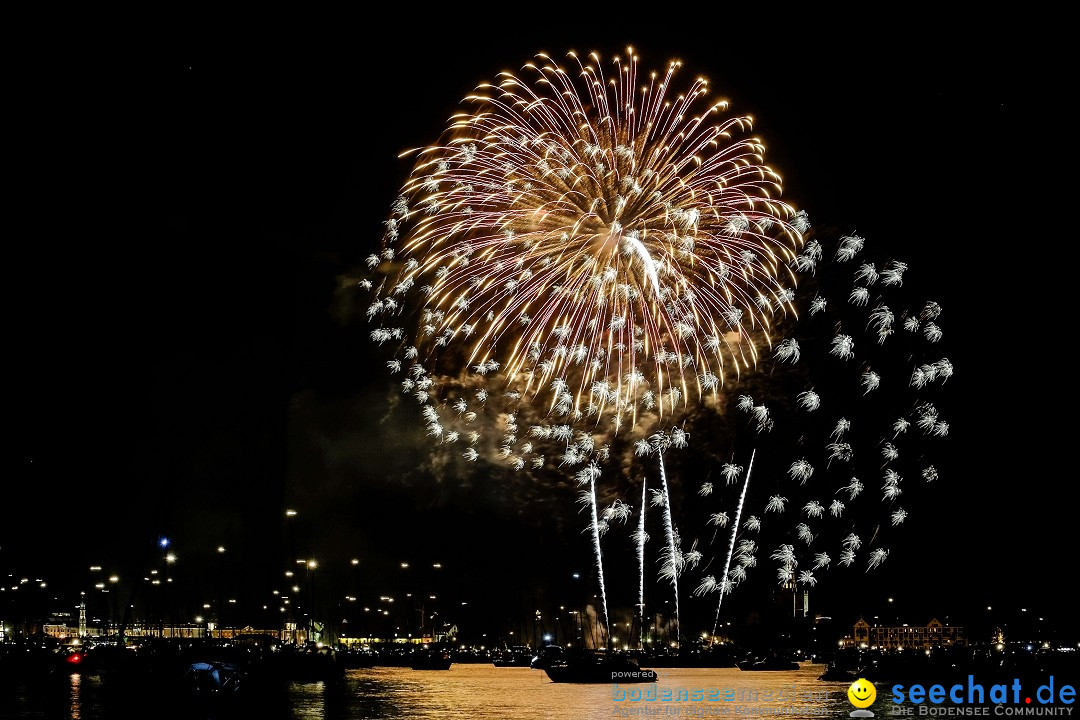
465	691
76	699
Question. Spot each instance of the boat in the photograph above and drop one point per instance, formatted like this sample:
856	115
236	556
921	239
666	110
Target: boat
208	678
516	656
598	667
431	660
769	662
547	656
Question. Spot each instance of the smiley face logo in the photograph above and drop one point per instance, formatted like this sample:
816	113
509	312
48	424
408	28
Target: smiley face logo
862	693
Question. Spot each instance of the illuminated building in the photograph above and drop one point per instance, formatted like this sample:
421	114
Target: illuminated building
904	637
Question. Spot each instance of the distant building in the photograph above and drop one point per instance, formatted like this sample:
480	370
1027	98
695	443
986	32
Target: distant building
62	631
904	637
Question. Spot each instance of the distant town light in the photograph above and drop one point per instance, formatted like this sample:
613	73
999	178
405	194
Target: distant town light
221	548
290	513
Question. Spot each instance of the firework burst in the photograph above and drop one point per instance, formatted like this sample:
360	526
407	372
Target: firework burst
611	242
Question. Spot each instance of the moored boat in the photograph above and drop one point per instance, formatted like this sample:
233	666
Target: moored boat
598	667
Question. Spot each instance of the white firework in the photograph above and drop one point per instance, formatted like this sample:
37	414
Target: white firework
745	403
854	487
842	426
839	451
813	509
852	542
850	245
806	577
881	318
706	489
817	305
618	511
928	416
847	557
802	531
877	556
788	350
776	504
893	274
930	473
730	472
785	554
870	381
843	347
899	516
932	332
859	297
821	560
753	523
708	585
930	311
801	470
836	508
889	452
719	519
809	400
746	549
866	273
900	426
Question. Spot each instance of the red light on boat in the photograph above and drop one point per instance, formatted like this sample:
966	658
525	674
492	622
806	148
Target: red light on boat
74	658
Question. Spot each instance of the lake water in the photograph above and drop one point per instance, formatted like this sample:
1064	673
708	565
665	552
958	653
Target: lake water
472	691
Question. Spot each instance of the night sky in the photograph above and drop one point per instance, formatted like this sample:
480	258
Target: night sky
182	362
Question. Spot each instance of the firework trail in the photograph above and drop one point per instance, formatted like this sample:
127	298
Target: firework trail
598	555
724	579
640	538
673	554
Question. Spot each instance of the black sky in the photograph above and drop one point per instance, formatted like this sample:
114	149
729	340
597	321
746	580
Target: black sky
177	361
